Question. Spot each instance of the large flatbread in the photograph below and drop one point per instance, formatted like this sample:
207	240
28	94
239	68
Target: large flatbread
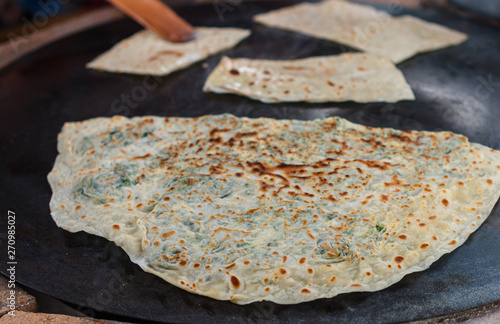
260	209
147	53
364	28
352	76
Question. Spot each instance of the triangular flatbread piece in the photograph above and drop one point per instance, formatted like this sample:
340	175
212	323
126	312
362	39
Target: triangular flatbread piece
147	53
364	28
353	76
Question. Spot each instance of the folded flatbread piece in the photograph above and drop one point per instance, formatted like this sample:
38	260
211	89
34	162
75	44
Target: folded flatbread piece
353	76
364	28
260	209
147	53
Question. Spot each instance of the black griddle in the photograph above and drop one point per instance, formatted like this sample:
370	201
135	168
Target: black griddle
486	8
456	90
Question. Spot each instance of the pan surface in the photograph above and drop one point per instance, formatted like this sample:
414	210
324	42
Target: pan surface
457	89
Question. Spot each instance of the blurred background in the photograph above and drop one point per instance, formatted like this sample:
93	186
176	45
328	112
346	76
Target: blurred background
13	12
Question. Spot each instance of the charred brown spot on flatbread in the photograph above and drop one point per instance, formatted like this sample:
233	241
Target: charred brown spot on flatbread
235	282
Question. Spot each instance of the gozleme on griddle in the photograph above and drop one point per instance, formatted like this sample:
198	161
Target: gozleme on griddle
260	209
147	53
364	28
353	76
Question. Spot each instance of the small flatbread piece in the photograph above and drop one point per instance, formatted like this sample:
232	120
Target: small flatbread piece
364	28
358	77
147	53
283	210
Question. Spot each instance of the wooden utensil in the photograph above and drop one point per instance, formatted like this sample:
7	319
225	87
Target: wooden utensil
158	17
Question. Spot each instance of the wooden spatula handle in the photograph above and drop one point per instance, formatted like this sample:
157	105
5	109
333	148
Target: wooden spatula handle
156	16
